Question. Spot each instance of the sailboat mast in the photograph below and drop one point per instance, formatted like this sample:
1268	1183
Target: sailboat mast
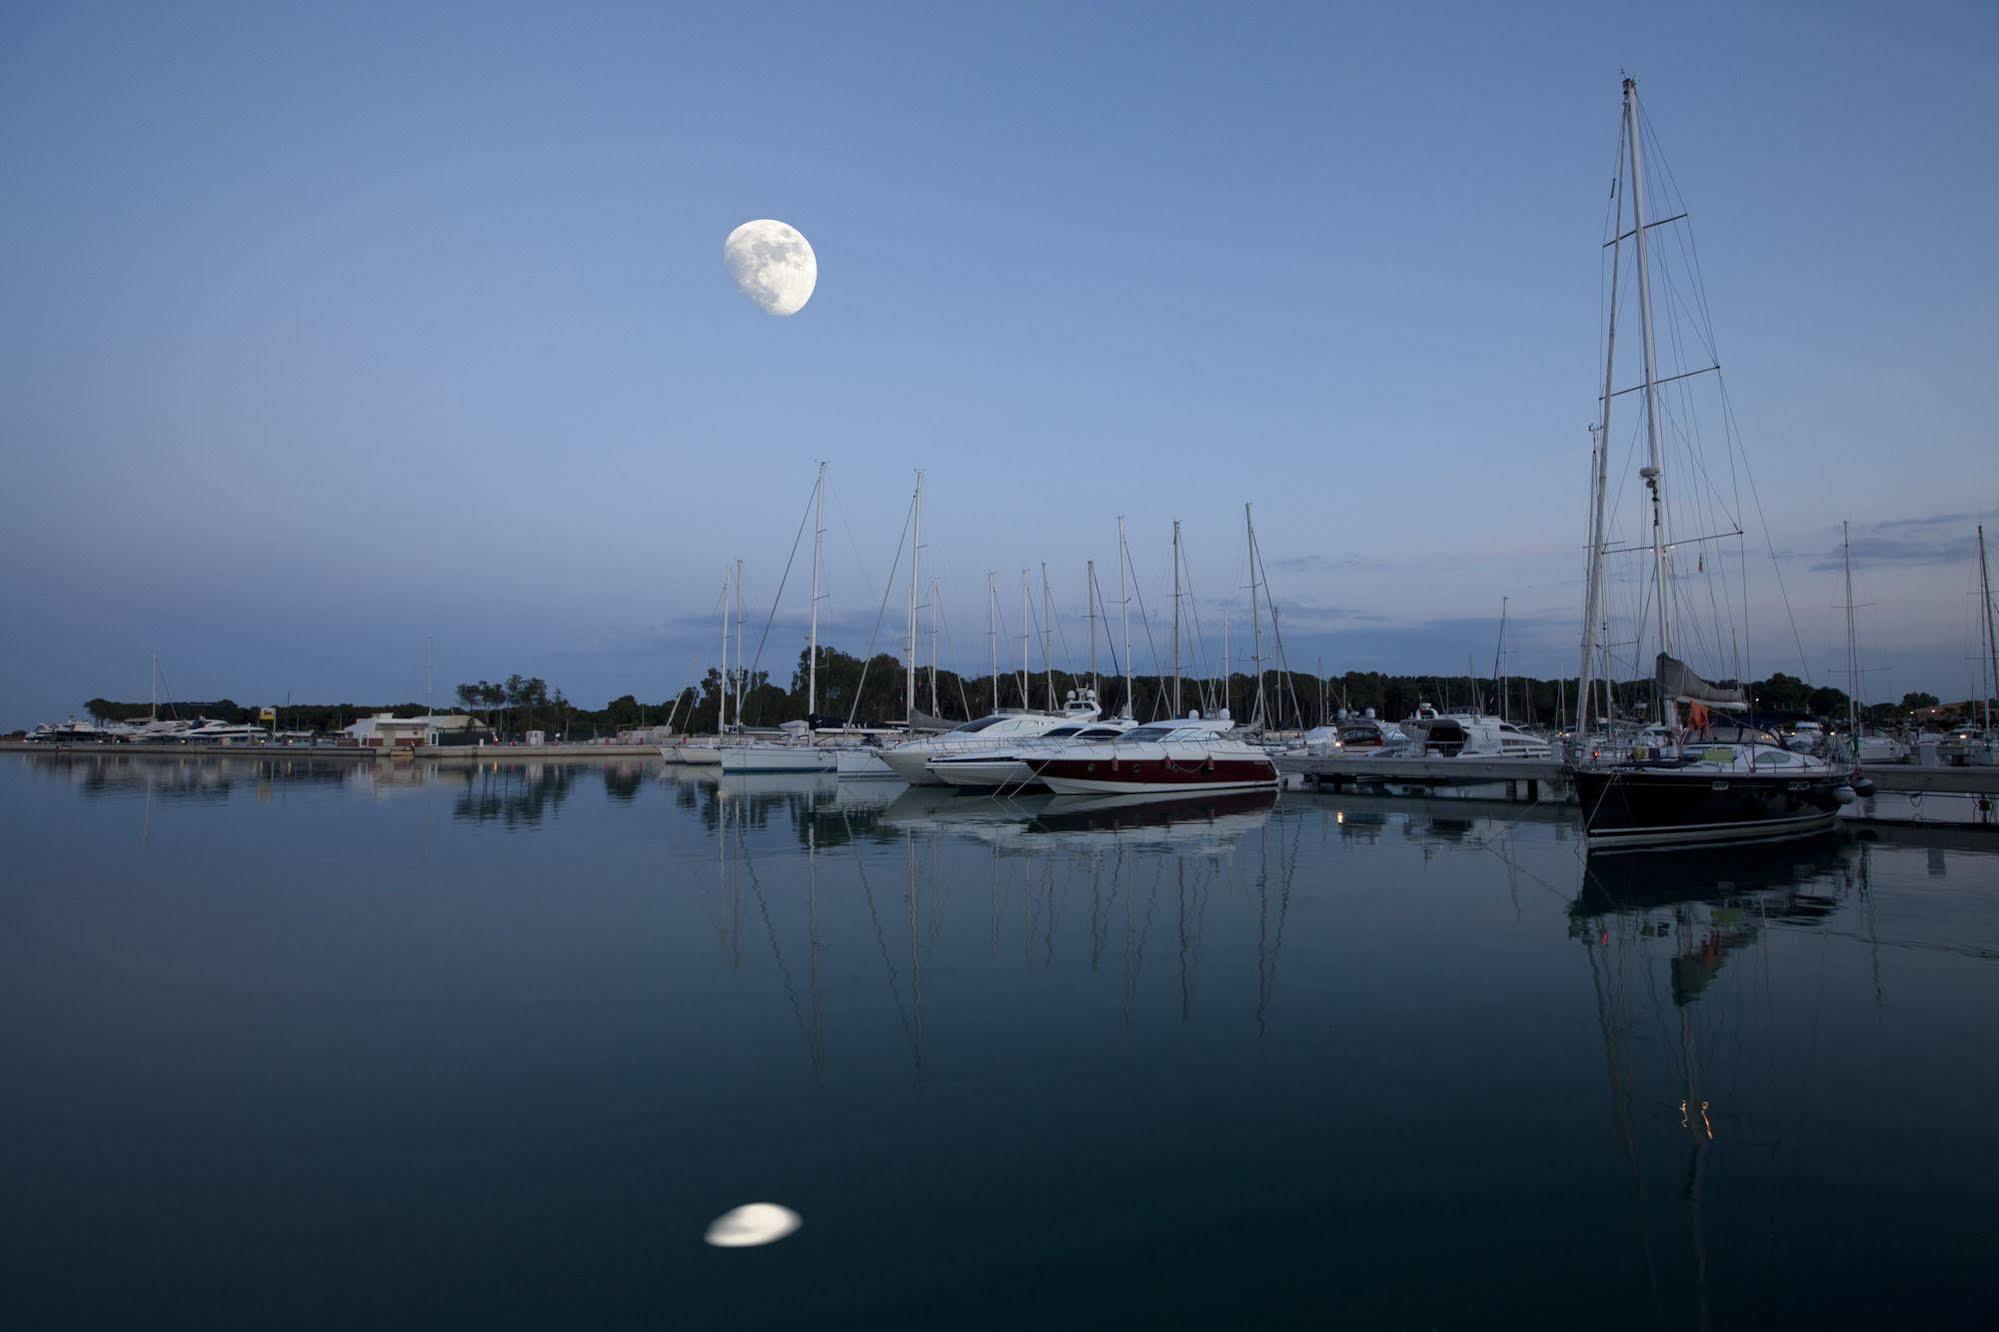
722	692
1048	636
1852	648
1091	589
742	671
992	632
1176	618
1225	660
1654	480
1991	639
1255	618
812	643
915	567
1499	659
1025	701
934	710
1124	609
154	713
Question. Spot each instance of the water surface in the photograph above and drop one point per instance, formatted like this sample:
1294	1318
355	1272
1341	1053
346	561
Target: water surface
299	1043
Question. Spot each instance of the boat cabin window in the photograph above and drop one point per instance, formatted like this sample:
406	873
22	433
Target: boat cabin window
1099	733
979	724
1061	731
1150	734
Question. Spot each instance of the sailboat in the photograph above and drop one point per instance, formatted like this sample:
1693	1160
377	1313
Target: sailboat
1868	747
1706	781
799	750
706	750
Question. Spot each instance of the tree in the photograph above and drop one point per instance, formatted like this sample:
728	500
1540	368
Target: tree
1918	699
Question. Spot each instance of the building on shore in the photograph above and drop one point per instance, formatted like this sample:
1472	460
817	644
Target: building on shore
387	731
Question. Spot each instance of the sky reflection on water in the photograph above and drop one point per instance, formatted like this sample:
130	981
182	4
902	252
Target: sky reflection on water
306	1042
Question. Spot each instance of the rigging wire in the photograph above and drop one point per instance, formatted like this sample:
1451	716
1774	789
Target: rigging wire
777	600
881	614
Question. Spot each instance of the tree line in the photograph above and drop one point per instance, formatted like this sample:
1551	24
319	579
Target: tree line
870	692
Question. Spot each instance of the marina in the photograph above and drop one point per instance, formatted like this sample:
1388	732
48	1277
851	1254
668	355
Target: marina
1281	704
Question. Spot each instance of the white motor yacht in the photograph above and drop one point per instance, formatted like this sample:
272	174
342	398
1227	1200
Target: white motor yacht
1435	734
1182	757
1008	769
999	730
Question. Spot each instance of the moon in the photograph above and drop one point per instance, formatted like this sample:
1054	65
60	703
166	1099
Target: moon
772	265
753	1223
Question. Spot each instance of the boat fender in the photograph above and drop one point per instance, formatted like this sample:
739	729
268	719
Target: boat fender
1209	766
1863	787
1844	795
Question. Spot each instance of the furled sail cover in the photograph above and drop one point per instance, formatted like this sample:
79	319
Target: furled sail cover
1679	681
923	721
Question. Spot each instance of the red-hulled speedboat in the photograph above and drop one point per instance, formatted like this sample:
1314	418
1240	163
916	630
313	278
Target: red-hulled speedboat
1186	756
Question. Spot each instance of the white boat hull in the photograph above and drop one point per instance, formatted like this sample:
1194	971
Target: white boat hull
701	755
777	758
911	767
861	763
985	774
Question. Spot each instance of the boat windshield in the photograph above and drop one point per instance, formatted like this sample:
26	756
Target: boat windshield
1061	731
978	724
1149	734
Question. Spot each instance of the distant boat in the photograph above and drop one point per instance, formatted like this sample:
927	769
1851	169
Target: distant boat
799	752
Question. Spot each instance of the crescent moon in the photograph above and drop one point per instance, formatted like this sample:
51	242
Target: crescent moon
772	265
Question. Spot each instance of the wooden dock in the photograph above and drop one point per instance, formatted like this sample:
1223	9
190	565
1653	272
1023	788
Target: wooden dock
1904	793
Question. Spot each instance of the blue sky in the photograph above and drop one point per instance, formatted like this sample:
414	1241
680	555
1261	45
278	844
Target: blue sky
333	328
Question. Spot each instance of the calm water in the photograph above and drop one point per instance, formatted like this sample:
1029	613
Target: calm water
331	1047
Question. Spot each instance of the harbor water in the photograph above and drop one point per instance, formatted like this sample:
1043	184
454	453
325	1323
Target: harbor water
302	1044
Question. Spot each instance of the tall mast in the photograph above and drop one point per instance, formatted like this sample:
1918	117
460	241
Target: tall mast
992	632
1255	618
1598	462
935	711
1654	481
429	660
742	671
1048	637
1124	609
915	566
1852	647
1991	640
1225	660
1025	701
722	694
1091	590
1499	659
1176	618
154	714
812	645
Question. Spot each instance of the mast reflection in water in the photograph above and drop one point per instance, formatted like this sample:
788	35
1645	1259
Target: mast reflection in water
306	1044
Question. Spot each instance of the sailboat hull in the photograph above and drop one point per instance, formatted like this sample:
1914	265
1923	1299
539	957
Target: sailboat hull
777	758
1637	808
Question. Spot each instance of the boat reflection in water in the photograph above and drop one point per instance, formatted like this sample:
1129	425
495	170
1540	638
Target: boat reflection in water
1130	870
1671	1051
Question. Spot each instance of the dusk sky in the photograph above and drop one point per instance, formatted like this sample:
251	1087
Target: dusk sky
332	328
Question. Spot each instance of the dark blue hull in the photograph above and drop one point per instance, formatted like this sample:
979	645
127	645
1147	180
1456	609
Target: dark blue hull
1655	806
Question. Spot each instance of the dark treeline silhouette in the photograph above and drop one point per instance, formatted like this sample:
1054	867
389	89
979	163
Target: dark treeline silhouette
871	693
